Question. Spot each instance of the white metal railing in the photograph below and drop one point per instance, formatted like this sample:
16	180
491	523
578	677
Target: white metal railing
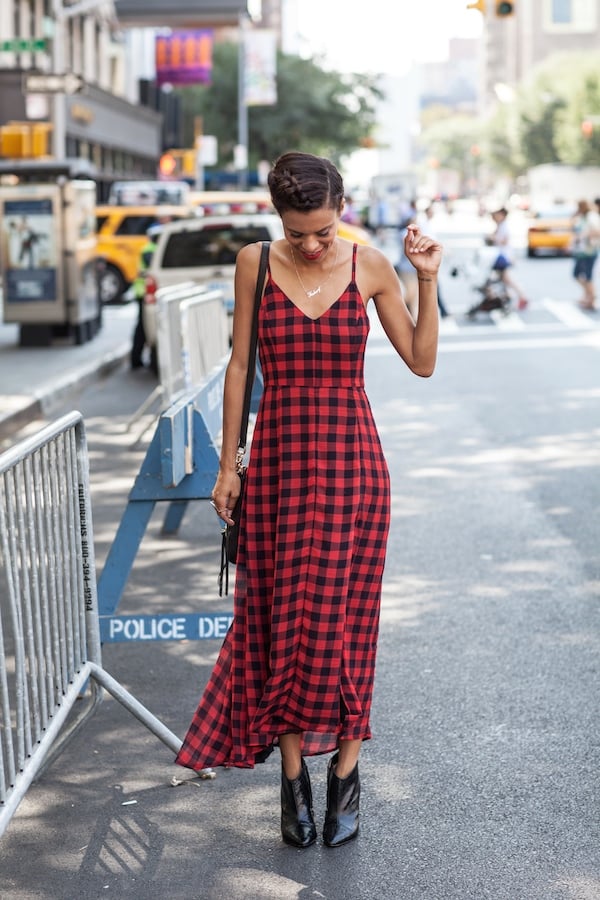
49	631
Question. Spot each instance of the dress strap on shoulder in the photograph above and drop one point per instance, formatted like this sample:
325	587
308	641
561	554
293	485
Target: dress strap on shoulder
354	252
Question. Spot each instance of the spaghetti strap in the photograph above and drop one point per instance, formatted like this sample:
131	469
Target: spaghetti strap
354	252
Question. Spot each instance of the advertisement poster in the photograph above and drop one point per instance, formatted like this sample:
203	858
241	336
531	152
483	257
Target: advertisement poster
184	57
260	67
29	251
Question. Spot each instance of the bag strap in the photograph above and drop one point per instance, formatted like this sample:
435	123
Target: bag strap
260	282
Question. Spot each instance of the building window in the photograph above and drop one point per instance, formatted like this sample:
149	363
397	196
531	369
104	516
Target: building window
570	16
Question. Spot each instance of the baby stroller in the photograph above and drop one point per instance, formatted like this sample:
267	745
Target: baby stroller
493	292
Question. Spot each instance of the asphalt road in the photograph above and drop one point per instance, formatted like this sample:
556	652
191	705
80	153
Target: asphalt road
482	777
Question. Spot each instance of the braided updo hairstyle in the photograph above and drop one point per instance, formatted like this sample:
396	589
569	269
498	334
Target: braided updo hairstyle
303	182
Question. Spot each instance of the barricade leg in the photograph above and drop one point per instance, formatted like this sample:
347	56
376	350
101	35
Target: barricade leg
174	516
121	556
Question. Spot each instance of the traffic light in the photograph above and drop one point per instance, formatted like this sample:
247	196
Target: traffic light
178	163
587	128
479	4
504	8
167	164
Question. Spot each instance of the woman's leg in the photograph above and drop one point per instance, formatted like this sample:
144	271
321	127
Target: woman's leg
347	758
291	755
511	284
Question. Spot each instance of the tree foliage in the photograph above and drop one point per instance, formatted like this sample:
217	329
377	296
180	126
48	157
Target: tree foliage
452	140
542	124
550	109
317	110
552	106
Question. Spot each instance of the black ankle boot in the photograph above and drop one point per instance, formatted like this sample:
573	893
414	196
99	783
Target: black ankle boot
343	796
297	822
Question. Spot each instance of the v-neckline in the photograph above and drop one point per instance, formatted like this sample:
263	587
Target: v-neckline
313	318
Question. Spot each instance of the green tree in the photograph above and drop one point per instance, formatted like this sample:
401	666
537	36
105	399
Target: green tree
317	110
551	106
454	140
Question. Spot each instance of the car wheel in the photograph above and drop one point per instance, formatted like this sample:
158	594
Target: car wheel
530	252
112	285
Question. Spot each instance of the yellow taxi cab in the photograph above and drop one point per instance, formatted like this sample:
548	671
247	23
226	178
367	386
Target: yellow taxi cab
226	203
550	232
121	232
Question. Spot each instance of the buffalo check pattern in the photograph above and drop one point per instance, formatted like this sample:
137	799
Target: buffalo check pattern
300	653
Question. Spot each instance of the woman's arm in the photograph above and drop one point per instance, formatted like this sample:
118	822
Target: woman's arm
415	342
227	485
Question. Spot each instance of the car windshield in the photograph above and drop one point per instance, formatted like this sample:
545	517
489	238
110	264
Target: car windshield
211	246
148	193
556	212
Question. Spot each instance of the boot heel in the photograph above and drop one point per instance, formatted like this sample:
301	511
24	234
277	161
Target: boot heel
297	820
343	800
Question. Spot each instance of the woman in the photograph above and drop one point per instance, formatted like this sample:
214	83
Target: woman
504	260
586	241
297	666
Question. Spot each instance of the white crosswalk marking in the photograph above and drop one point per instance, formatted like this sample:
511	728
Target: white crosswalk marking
510	322
569	327
569	315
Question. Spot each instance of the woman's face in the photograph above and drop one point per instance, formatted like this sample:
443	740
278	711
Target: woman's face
311	233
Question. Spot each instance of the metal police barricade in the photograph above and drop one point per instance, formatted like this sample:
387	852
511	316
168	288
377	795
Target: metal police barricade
49	629
173	362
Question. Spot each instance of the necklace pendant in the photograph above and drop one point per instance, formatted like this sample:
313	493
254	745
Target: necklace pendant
312	293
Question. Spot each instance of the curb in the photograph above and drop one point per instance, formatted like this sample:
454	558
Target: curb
42	402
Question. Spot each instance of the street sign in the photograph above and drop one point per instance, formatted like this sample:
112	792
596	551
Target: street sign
23	45
68	83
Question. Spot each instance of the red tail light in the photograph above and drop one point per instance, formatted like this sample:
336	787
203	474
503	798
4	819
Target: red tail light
150	290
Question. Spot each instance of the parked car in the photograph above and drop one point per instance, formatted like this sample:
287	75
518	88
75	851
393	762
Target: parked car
223	203
121	234
551	232
203	250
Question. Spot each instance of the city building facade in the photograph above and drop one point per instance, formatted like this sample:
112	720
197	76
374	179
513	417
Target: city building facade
514	44
88	100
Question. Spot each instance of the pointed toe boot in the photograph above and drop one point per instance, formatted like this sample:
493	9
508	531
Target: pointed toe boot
343	798
297	821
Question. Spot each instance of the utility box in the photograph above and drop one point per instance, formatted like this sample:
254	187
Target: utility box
48	260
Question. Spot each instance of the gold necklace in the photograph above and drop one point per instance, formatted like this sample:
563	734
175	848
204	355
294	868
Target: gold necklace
317	290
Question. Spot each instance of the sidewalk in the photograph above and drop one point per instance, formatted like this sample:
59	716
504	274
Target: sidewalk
33	380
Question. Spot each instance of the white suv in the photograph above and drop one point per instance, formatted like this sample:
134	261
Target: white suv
204	251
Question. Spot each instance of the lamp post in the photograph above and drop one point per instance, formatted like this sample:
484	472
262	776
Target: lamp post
241	151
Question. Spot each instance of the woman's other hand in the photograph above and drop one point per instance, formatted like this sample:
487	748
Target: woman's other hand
425	253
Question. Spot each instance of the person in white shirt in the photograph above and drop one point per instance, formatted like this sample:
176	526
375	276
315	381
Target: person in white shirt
505	260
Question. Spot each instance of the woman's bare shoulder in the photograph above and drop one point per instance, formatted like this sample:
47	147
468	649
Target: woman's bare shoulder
371	258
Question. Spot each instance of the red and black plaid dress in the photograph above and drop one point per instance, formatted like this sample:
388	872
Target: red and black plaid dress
300	653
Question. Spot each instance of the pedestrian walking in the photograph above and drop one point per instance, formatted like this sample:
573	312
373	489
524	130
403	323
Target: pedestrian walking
586	242
139	343
504	260
296	669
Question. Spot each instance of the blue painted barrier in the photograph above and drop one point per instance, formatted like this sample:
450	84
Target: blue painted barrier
180	465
